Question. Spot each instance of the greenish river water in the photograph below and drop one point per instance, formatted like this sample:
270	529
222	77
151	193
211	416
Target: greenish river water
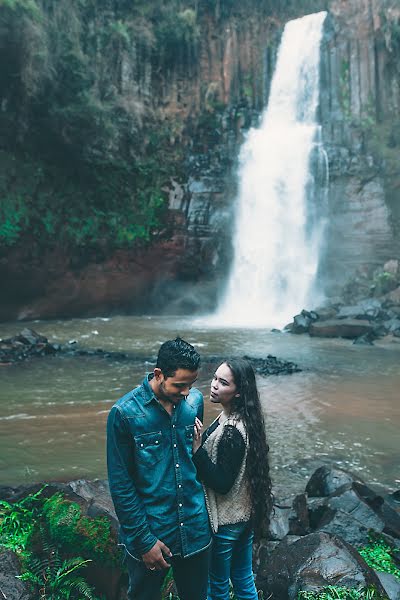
343	408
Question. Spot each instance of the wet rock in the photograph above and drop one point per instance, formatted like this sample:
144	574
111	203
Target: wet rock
393	297
391	585
96	493
393	500
365	340
346	328
383	509
346	514
26	344
279	522
299	523
370	309
343	505
326	312
348	527
272	365
392	266
300	324
312	563
327	480
12	588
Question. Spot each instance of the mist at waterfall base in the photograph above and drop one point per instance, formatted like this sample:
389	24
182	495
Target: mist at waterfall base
280	204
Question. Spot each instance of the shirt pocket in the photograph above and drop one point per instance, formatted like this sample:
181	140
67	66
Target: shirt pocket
149	448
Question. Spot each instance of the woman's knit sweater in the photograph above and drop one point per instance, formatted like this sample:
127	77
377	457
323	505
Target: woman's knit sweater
234	506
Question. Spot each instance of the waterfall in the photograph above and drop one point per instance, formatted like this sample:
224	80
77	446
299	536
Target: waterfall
279	222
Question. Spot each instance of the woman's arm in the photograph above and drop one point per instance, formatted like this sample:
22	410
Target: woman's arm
221	476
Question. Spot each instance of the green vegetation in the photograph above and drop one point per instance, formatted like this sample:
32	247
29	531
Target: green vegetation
380	556
85	162
88	151
17	521
334	593
45	534
57	579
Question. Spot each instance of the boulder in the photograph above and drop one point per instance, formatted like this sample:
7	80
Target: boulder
366	340
279	523
344	505
299	523
392	267
96	493
300	324
312	563
382	508
347	527
346	328
327	480
12	588
391	585
393	297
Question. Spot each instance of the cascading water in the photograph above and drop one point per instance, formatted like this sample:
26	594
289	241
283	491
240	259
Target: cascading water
278	221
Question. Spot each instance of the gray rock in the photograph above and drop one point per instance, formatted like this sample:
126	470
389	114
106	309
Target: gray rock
96	494
346	328
327	480
312	563
279	523
348	528
299	523
12	588
391	585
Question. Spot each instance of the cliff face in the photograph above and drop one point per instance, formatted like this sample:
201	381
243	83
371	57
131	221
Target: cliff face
162	100
185	108
360	115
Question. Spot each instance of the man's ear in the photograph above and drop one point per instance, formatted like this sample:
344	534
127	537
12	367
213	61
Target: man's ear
158	374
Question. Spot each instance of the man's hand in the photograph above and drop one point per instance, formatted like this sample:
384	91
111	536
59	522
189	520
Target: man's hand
154	558
198	428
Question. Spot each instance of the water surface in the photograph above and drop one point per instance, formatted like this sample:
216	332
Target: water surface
343	408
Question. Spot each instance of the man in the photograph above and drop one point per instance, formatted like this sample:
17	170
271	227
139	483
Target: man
158	500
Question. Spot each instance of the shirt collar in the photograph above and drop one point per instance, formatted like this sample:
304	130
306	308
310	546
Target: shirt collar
148	390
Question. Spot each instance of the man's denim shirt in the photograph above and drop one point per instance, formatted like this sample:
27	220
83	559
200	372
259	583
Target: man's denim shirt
152	477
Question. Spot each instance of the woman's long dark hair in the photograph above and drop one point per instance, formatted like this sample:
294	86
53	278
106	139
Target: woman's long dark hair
247	407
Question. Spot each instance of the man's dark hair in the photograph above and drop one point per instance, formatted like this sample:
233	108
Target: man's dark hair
177	354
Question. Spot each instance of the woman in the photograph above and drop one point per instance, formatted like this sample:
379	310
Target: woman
232	461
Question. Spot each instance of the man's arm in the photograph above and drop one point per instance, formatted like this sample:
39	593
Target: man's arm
128	505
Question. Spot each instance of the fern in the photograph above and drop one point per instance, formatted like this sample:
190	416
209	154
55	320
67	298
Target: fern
57	579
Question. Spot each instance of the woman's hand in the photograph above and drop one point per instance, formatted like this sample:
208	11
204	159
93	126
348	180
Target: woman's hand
198	428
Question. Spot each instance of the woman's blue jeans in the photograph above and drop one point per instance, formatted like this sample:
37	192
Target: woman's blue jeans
231	558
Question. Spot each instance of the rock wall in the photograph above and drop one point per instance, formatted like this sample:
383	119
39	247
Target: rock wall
360	116
209	100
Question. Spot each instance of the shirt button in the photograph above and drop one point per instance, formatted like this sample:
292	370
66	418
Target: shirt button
156	441
177	465
181	524
141	445
179	485
173	426
180	504
174	445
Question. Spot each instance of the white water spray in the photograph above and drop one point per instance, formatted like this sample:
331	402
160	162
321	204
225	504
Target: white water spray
278	230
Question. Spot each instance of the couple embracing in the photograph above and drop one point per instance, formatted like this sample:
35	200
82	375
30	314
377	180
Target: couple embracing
184	497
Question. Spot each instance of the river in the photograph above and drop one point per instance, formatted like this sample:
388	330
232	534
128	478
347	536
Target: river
343	408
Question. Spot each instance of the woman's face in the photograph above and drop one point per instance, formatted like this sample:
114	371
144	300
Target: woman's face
223	387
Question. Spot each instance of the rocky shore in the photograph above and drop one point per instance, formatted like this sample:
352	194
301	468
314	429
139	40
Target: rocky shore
317	539
368	309
29	344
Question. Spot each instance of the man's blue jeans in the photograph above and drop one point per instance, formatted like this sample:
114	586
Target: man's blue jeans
231	558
